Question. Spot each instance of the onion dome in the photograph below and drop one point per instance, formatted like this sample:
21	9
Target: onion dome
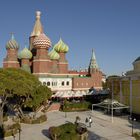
25	54
61	47
12	44
53	55
42	41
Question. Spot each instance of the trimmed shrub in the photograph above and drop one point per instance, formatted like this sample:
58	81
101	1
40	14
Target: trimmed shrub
64	132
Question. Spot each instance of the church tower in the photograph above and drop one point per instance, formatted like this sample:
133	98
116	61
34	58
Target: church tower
93	66
11	60
41	62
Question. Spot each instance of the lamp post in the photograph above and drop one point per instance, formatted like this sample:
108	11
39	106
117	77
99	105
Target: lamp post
132	125
112	102
19	132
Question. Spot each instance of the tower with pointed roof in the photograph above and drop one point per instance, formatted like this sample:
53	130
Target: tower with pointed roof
37	30
11	60
93	66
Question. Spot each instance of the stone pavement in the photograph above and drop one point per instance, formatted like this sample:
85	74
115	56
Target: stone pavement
101	129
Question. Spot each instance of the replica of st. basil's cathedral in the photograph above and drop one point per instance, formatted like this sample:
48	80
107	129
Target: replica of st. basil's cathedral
51	67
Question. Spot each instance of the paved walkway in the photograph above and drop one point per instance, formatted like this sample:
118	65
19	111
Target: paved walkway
101	129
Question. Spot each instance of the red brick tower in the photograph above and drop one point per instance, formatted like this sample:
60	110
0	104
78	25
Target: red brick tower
62	49
94	71
11	60
54	56
41	62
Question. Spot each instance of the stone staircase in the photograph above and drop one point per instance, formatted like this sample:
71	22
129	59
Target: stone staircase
54	107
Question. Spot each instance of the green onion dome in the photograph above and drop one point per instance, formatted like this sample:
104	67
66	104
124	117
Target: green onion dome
42	41
61	47
53	55
12	44
25	54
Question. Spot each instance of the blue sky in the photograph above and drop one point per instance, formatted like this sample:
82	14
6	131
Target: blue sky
110	27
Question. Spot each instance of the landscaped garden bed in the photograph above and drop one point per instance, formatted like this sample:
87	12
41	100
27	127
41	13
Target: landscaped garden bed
30	120
9	130
68	131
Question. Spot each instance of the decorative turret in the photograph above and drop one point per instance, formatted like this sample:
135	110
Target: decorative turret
62	48
53	55
25	55
41	62
12	44
12	49
37	30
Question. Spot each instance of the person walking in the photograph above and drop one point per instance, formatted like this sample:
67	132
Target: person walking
90	121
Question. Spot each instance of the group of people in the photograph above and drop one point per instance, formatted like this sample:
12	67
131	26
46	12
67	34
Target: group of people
88	121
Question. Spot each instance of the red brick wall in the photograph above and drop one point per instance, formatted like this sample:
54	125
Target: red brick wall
87	82
63	67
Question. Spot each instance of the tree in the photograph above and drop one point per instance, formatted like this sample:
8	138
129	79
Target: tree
23	88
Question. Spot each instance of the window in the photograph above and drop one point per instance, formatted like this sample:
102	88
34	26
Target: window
63	83
48	83
44	83
67	83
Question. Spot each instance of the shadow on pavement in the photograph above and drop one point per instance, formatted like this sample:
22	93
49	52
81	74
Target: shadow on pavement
93	136
45	132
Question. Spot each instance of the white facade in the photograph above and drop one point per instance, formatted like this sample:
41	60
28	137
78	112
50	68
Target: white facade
57	83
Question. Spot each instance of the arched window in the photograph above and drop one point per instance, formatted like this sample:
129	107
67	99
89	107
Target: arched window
44	83
67	83
63	83
48	83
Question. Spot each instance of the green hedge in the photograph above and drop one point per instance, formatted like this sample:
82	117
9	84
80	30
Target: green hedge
76	106
9	130
28	120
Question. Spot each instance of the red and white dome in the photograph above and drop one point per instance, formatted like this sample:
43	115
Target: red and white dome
42	41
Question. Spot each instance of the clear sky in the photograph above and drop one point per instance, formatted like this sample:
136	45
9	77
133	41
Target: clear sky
110	27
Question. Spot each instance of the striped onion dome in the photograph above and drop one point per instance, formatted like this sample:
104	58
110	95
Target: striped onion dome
42	41
53	55
61	47
25	54
12	44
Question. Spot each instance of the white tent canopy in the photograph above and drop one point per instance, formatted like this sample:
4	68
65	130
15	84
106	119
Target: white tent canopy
69	94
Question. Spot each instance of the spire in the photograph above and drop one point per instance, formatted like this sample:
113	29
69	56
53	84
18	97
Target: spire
38	28
93	64
12	36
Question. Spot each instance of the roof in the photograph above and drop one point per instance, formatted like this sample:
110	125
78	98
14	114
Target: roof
111	104
138	59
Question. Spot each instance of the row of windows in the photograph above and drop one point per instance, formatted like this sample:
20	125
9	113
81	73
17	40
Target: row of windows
55	83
